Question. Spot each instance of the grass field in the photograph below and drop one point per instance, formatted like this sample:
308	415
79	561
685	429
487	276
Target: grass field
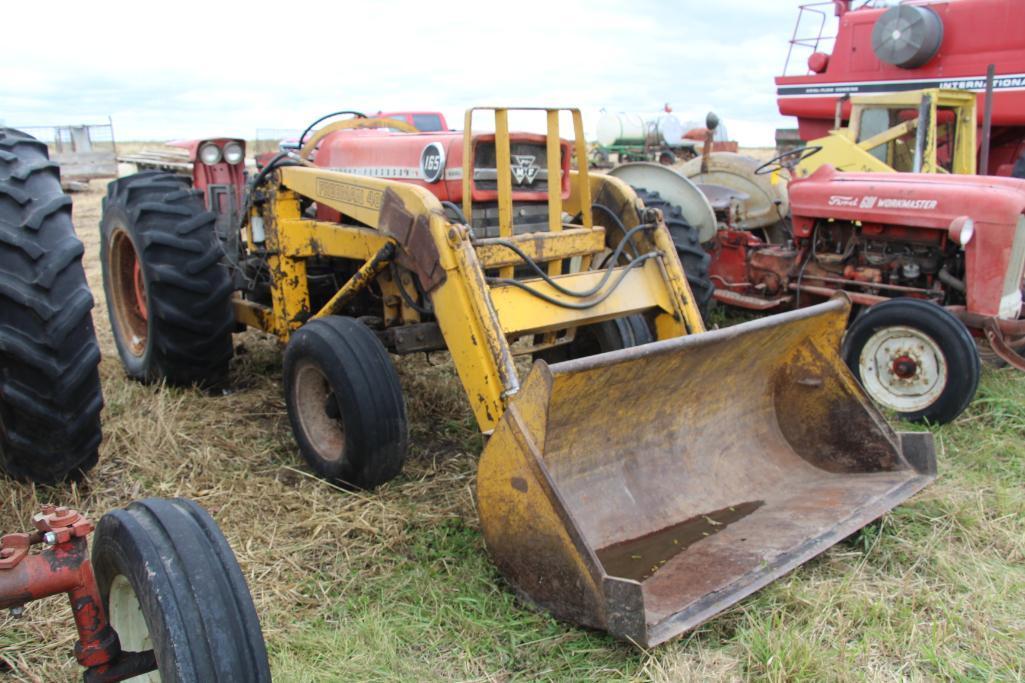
396	585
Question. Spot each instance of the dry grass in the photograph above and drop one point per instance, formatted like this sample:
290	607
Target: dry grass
397	585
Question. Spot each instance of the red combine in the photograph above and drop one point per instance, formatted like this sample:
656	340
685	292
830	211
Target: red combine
911	46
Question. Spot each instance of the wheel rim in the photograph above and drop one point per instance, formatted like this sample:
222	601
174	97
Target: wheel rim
125	614
128	292
318	411
903	368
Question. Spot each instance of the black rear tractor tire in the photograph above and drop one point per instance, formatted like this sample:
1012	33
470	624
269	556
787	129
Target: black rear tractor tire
610	335
695	260
50	398
345	403
170	583
168	292
914	358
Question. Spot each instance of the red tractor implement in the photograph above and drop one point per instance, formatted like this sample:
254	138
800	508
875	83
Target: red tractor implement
161	598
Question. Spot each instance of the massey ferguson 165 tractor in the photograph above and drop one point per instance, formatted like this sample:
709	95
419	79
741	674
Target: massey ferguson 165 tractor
641	490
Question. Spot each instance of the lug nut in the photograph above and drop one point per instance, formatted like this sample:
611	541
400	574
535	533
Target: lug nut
17	612
50	538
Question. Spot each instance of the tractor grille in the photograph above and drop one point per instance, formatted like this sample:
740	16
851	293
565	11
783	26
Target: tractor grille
529	166
527	217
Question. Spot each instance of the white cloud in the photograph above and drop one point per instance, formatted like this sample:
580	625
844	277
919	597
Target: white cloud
193	68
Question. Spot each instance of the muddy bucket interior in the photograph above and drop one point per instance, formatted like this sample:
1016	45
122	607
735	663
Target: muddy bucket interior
643	491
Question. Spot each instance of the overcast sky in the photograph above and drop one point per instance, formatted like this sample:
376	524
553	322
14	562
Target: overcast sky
193	69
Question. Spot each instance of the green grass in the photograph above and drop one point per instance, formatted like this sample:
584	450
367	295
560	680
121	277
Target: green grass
936	590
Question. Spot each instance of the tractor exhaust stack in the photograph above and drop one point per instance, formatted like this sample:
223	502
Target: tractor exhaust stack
643	491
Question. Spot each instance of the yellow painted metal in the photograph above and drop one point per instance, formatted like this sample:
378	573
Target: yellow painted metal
843	150
369	122
306	237
359	197
290	294
468	166
684	317
503	161
703	469
541	247
685	307
254	315
553	151
357	283
580	145
642	289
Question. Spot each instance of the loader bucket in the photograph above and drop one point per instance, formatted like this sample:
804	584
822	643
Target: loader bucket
643	491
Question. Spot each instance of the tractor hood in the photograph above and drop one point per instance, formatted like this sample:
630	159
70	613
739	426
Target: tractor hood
435	161
911	199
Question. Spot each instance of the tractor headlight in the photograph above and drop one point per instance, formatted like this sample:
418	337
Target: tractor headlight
961	230
233	153
210	154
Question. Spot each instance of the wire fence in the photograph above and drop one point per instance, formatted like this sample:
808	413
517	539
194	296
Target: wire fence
83	151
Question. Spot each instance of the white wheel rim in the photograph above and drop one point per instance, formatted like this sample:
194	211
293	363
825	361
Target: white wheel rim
126	618
903	369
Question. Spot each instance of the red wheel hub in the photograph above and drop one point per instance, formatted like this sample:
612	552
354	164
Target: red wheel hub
127	292
904	367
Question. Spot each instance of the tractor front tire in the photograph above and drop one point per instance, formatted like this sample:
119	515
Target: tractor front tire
345	403
609	335
695	260
170	583
914	358
50	398
168	292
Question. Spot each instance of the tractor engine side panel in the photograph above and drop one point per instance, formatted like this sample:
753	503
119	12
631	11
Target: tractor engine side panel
905	208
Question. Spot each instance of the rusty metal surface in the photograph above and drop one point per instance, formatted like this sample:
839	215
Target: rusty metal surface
417	250
63	567
645	490
1009	351
1005	337
415	338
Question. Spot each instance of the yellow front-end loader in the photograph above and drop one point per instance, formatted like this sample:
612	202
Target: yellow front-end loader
630	484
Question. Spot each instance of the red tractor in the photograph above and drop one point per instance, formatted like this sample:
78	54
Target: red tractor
930	260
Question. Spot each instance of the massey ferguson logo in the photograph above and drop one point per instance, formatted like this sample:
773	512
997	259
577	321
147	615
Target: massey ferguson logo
524	170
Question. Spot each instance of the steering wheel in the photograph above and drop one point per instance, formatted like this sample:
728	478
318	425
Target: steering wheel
787	160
